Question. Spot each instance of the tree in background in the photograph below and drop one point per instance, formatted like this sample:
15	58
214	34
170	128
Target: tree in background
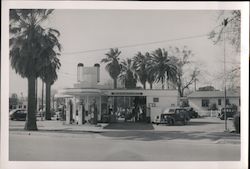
163	67
184	78
113	66
140	66
229	25
50	55
49	76
27	42
229	29
150	74
128	75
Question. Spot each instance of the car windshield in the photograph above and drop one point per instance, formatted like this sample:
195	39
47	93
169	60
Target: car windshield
12	111
171	111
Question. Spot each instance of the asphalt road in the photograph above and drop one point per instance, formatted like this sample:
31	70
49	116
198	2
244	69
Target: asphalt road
96	147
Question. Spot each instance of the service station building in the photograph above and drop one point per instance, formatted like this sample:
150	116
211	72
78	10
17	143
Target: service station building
88	101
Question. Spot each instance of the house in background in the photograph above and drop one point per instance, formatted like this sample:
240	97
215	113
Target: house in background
202	101
16	102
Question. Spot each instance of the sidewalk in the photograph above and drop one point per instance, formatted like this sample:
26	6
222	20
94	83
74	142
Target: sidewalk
53	125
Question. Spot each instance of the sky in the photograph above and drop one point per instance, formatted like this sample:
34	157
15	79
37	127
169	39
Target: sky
84	30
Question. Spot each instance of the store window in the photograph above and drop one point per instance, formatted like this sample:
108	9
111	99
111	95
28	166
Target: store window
204	102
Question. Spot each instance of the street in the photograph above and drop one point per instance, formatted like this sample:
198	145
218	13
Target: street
47	148
159	143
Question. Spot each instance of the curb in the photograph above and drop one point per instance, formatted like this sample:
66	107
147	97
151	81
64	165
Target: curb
58	130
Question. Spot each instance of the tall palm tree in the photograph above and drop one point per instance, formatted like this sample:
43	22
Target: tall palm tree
128	75
141	70
150	74
26	51
49	76
163	67
52	64
113	66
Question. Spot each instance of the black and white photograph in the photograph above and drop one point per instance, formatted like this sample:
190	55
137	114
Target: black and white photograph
136	83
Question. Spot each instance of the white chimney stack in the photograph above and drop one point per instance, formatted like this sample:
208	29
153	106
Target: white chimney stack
79	72
98	71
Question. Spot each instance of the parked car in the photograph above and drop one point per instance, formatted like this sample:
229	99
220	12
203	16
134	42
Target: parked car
192	112
18	114
177	115
230	113
172	116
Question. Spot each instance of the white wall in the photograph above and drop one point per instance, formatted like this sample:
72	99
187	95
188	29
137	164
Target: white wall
164	101
167	99
196	103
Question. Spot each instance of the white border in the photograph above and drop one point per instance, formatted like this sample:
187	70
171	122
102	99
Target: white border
244	6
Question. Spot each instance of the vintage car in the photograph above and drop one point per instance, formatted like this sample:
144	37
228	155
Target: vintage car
230	112
18	114
172	116
192	112
175	115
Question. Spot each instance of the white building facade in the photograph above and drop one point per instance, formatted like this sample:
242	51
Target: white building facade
201	101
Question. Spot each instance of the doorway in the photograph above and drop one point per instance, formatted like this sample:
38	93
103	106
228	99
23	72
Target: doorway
129	108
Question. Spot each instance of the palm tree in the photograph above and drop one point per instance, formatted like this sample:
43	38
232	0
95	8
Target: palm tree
49	76
128	75
163	67
140	65
150	74
113	66
26	51
50	56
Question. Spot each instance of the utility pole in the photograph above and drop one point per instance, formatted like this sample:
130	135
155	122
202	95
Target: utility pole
36	94
43	114
225	88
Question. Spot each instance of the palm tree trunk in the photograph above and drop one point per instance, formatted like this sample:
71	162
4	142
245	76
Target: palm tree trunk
36	93
42	94
151	85
31	116
162	83
115	99
48	113
115	83
144	85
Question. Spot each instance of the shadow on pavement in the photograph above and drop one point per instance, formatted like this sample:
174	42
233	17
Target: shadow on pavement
197	123
129	126
169	135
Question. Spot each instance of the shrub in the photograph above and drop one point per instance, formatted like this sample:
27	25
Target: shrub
237	123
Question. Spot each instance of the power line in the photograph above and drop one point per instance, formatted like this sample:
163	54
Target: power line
135	45
141	44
